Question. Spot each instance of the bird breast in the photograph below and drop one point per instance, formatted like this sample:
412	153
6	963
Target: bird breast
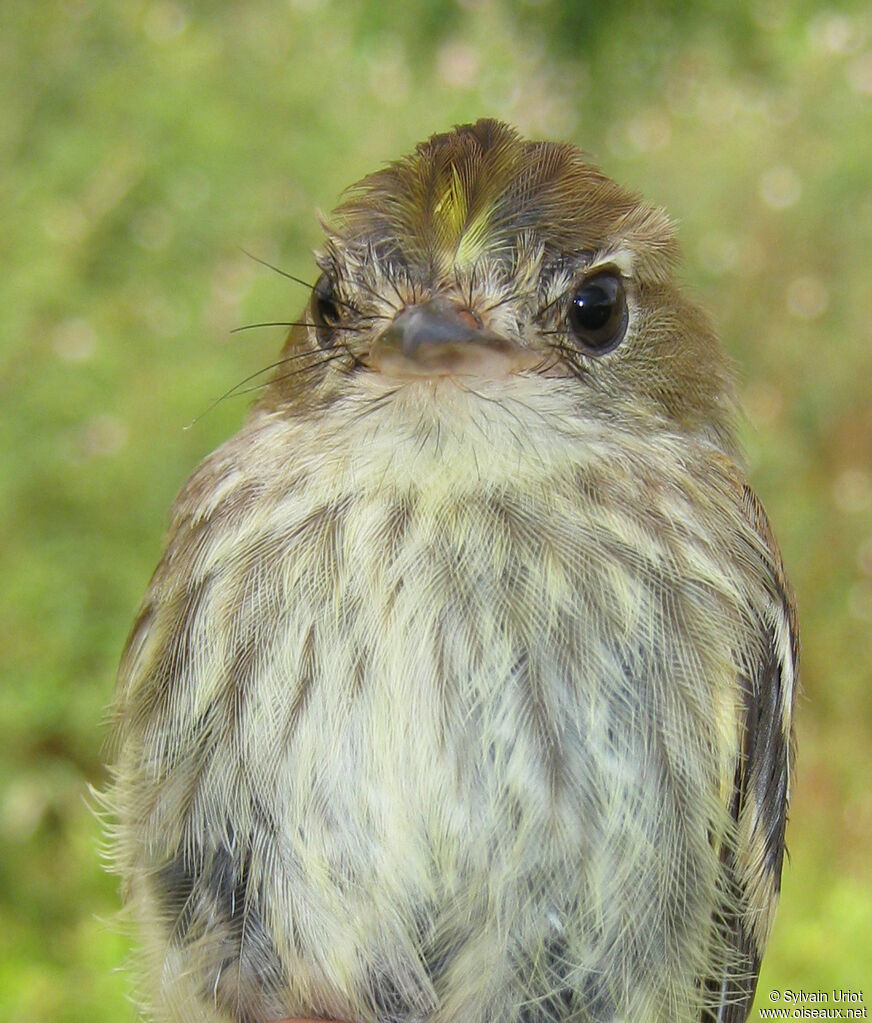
419	666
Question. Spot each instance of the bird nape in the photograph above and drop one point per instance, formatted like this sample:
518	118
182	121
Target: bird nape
463	690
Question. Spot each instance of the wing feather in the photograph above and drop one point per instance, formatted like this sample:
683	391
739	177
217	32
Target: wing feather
761	793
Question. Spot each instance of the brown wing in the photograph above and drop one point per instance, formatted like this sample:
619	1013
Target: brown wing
761	790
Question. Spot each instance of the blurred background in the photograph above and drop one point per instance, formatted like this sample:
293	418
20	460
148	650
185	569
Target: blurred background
145	145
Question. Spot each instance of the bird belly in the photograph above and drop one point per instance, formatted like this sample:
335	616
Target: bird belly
464	774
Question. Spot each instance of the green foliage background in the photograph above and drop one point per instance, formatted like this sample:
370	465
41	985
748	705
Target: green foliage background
143	145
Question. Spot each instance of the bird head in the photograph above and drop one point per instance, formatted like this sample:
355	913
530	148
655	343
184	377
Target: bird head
485	257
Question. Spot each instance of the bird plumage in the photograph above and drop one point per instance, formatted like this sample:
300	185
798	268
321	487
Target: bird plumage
466	696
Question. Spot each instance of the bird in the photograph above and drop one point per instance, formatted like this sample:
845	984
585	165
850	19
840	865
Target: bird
463	691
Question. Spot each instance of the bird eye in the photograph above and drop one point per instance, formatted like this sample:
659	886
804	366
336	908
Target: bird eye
598	312
324	309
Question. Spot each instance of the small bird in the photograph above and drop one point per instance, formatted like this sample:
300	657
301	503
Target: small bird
463	690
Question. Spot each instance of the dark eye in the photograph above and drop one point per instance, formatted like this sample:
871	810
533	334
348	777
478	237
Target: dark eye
324	309
598	312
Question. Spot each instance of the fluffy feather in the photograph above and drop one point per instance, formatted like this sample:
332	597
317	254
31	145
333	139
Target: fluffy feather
466	697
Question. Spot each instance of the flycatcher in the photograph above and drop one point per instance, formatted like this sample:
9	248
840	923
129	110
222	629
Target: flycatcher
463	691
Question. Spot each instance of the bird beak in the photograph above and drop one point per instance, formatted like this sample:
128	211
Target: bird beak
439	338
